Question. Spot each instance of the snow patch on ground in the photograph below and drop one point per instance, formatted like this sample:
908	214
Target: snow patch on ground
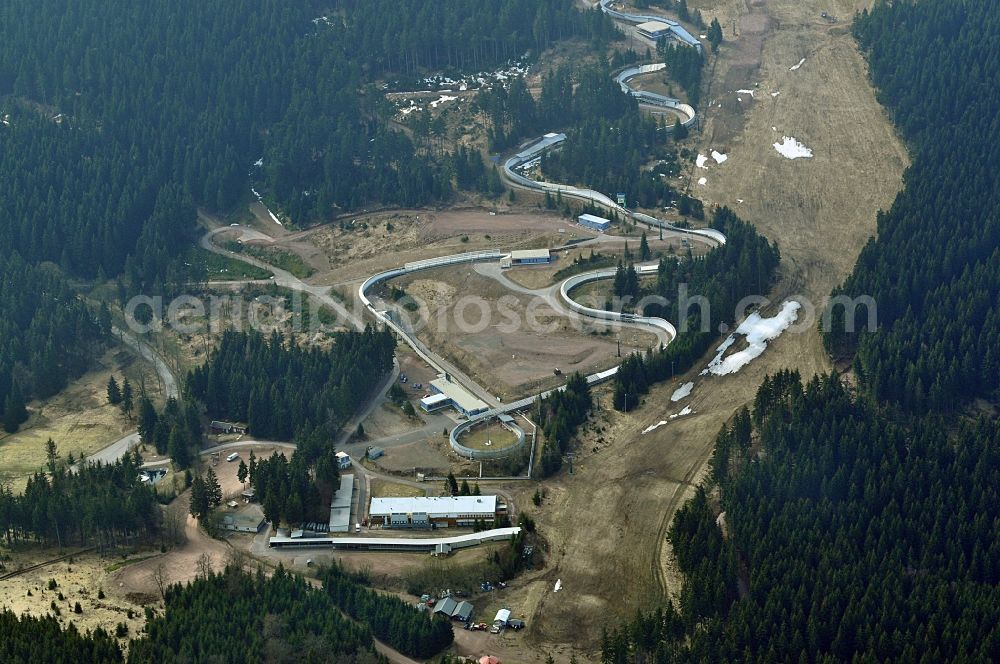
792	149
745	92
259	162
558	586
794	67
442	99
739	200
719	157
700	161
703	181
686	410
758	332
682	391
653	427
775	94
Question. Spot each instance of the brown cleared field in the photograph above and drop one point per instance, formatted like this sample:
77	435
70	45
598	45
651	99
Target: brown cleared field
514	349
79	419
358	252
78	581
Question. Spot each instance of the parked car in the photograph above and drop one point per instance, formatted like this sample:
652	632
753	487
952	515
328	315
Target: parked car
495	629
515	624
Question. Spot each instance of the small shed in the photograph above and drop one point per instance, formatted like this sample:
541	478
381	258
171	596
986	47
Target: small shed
463	611
503	615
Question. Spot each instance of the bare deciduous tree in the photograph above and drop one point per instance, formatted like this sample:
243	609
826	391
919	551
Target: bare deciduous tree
160	579
205	565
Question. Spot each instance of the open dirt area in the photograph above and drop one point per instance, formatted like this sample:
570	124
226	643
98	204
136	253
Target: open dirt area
79	419
510	342
381	241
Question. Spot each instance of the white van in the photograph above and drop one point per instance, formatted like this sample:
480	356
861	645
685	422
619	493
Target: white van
233	457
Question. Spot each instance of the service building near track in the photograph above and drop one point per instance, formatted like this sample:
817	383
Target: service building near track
593	221
653	30
435	512
447	393
525	257
340	506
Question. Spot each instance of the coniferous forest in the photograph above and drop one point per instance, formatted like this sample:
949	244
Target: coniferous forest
47	335
934	270
237	617
27	640
95	504
282	390
861	525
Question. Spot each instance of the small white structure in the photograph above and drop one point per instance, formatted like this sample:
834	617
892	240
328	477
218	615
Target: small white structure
503	615
343	460
529	256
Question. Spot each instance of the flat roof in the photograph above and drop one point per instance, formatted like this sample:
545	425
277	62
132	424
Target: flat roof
594	218
503	615
653	26
434	505
525	254
340	506
342	455
464	399
546	141
434	399
415	543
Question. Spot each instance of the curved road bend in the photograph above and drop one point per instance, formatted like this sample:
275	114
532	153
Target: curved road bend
168	382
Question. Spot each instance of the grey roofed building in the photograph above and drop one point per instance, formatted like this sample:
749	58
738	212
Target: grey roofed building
463	611
446	606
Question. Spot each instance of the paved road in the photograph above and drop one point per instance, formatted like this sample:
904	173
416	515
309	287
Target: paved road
282	278
166	377
168	382
115	450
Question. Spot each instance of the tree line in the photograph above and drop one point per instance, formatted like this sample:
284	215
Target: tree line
237	616
744	265
559	415
26	639
284	391
849	534
48	335
934	270
297	491
465	34
96	503
397	623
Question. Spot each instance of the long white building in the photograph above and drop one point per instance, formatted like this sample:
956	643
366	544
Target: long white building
438	511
